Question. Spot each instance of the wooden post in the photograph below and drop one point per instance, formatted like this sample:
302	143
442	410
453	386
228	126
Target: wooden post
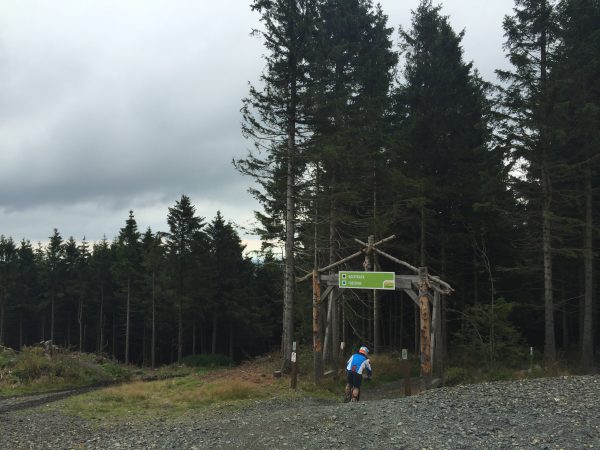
406	370
317	344
376	303
437	348
341	361
294	359
425	327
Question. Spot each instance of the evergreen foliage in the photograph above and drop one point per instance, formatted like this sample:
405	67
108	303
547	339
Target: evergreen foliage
493	188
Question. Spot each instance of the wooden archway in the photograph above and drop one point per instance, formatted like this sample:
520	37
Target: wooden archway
424	289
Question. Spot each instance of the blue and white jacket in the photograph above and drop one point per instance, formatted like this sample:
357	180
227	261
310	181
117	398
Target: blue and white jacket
358	363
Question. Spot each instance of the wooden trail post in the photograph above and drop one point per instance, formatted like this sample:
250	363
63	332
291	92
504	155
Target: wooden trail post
406	370
294	359
437	352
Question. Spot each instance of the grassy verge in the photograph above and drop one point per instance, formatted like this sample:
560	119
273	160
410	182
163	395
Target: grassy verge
34	371
472	375
160	398
207	388
210	389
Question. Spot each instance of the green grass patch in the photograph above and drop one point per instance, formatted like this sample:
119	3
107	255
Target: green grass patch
472	375
33	370
160	398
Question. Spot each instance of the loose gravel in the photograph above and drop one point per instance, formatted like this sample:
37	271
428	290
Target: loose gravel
549	413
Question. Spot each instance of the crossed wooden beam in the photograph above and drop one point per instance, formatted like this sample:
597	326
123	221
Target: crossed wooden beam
421	281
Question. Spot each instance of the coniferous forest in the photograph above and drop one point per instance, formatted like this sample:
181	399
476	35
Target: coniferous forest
360	129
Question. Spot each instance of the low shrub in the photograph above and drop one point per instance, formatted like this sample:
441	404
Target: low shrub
390	367
114	370
6	359
35	370
31	364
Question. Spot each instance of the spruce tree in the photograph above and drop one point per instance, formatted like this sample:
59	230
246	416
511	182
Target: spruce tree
153	264
55	274
227	275
8	261
101	262
273	118
184	228
531	34
576	122
127	270
27	289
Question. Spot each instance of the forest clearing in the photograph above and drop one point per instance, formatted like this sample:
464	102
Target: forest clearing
435	224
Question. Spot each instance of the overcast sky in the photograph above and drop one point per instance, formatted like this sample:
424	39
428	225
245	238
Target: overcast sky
112	105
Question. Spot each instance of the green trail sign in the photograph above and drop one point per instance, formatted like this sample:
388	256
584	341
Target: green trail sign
367	280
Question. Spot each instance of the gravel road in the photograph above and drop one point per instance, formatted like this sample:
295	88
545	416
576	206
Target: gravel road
550	413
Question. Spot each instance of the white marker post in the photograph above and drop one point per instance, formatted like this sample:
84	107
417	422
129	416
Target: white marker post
294	380
406	370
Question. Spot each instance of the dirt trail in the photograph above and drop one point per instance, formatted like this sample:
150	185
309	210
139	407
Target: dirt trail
537	414
391	390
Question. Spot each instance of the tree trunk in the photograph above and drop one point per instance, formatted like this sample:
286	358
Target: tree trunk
127	315
327	348
20	331
330	343
51	319
416	314
80	322
153	338
101	322
2	317
288	301
475	277
231	339
317	344
193	337
213	348
290	209
180	321
203	339
425	322
400	332
587	349
549	341
376	312
114	335
565	329
422	249
392	316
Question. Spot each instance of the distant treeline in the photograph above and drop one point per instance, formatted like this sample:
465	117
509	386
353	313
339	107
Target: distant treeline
359	131
146	298
494	188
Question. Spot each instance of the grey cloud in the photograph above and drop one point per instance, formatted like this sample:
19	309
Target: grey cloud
117	105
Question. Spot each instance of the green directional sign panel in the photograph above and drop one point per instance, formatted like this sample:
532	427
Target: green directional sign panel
367	280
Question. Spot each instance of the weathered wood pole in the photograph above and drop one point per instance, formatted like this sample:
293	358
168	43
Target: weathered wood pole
425	326
317	344
372	265
437	352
